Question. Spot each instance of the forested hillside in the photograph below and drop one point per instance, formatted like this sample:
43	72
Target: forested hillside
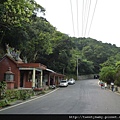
39	41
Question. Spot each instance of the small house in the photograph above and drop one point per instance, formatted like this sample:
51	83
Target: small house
19	74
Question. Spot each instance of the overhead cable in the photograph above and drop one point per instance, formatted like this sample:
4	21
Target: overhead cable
92	17
89	5
72	18
85	5
82	17
77	19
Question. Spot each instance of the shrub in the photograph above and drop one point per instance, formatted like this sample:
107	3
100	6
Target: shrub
25	94
18	94
2	88
4	102
107	74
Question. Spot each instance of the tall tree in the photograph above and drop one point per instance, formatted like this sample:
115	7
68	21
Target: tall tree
15	13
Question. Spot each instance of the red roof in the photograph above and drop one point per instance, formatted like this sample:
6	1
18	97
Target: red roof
32	65
25	65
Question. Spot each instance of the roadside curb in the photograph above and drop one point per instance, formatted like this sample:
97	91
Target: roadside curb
114	92
17	103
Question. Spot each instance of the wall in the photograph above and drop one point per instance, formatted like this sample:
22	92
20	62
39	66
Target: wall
85	77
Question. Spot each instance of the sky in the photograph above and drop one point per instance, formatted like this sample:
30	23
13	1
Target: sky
70	17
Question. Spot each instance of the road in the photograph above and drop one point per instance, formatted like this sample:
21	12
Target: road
84	97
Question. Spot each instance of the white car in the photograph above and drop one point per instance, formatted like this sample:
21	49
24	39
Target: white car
71	81
63	83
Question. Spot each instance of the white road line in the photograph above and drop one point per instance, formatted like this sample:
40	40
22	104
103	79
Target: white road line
28	100
99	82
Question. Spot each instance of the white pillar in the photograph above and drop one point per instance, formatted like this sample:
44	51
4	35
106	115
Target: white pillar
41	78
33	78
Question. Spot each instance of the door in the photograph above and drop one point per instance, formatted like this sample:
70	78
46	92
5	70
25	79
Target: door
21	78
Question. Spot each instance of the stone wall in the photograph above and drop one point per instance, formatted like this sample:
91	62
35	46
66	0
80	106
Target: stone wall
85	77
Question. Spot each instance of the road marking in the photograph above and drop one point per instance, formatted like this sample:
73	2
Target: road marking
28	100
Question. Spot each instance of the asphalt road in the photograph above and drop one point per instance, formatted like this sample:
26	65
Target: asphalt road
84	97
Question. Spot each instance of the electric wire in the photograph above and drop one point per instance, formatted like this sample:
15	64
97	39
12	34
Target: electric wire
86	9
84	14
77	18
92	17
72	17
82	17
89	5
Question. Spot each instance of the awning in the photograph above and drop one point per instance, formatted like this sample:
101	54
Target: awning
54	73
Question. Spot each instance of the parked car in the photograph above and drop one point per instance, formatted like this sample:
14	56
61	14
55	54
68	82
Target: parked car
71	81
63	83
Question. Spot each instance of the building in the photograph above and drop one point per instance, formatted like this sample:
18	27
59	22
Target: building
26	75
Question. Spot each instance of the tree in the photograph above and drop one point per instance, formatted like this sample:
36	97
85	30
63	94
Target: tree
85	67
117	77
107	74
39	41
15	13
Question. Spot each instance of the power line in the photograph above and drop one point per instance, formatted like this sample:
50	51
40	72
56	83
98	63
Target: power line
87	17
82	17
92	17
77	18
72	18
84	14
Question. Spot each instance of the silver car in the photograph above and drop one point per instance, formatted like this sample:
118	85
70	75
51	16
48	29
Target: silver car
63	83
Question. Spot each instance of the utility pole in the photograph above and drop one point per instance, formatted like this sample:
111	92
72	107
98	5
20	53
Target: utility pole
77	68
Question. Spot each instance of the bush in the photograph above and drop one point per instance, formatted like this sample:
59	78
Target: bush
2	89
21	94
18	94
107	74
4	102
26	94
12	94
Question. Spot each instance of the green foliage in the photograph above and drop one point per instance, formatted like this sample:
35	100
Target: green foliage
40	42
114	62
117	80
85	67
2	85
2	89
16	14
18	94
19	11
107	74
3	103
24	94
12	95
